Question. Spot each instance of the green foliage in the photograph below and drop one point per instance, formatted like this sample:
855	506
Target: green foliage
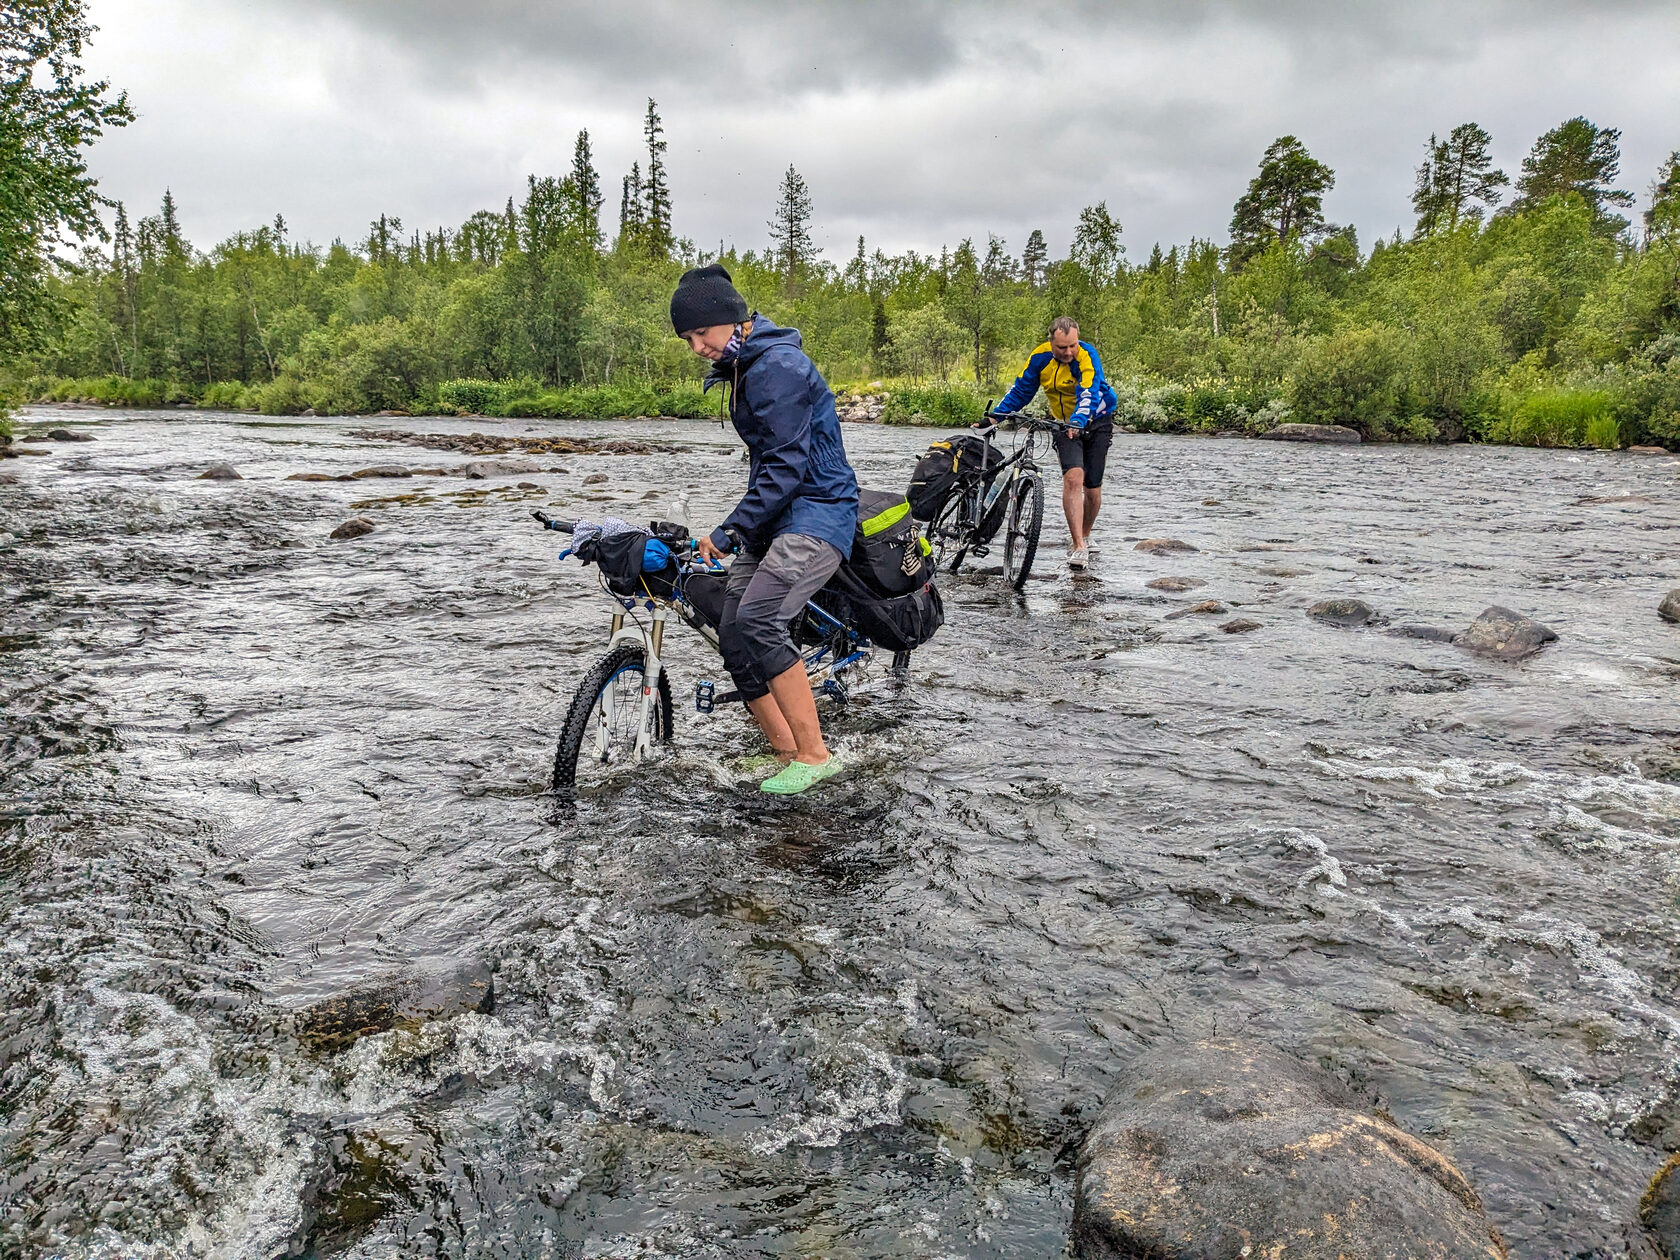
605	402
1558	417
1576	158
48	116
941	406
473	397
1356	378
1284	201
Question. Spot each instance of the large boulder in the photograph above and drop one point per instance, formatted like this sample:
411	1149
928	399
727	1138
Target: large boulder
1312	433
355	527
1228	1149
68	435
484	469
220	472
381	470
402	1002
1505	635
1669	609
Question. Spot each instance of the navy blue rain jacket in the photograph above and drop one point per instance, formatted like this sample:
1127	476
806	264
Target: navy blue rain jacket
799	480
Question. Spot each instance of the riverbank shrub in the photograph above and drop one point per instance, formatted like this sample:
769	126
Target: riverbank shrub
611	402
1201	405
476	397
950	406
1356	378
1559	417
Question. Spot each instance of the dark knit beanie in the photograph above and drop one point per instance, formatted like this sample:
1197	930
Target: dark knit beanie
705	297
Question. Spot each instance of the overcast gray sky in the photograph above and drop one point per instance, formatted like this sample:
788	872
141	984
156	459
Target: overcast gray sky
914	122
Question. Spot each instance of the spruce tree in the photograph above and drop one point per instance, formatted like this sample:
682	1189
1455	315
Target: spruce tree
656	191
790	229
584	192
1034	259
631	221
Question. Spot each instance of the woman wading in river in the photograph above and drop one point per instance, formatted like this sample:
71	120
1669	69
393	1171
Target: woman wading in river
794	525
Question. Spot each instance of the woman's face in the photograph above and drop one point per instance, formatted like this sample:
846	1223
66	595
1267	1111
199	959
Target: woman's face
709	343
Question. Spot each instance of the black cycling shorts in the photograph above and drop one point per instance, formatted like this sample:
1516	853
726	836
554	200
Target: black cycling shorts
1089	450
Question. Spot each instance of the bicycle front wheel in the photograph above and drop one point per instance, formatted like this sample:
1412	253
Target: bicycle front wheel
1026	518
604	723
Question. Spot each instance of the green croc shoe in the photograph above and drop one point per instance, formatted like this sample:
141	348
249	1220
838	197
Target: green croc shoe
796	776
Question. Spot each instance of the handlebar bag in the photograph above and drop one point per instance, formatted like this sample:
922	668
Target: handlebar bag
633	561
888	552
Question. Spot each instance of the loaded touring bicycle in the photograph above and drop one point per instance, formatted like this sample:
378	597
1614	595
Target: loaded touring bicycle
882	599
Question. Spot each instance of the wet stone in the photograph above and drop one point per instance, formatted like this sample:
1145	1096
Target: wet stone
404	1002
1347	613
1175	584
220	472
68	435
482	469
1669	609
1224	1149
1659	1209
382	470
1158	546
355	527
1313	433
1647	450
1212	606
1505	635
314	476
596	479
1240	625
1430	634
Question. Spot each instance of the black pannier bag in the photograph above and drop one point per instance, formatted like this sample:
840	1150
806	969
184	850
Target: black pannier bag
948	465
622	559
704	592
899	624
887	550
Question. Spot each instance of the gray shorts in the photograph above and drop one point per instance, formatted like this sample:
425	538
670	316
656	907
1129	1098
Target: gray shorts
762	596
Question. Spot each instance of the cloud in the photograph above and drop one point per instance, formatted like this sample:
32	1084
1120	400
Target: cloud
914	122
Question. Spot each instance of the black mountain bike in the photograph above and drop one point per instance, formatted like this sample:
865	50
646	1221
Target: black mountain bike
1010	497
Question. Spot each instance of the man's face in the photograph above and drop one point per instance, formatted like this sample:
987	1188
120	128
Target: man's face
1064	345
709	343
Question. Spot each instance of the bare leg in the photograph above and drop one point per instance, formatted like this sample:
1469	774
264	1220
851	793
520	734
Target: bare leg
1073	505
768	714
791	690
1093	505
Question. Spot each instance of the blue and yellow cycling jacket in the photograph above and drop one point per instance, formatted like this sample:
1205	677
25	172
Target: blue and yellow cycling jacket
1076	392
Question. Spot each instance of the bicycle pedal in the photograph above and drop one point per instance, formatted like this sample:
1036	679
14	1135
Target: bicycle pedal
705	696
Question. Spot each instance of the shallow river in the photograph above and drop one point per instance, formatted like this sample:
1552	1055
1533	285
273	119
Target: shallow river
247	768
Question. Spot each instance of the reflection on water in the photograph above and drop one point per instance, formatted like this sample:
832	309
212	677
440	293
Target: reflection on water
247	769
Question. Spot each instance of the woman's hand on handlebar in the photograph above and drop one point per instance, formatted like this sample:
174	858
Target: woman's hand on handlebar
709	552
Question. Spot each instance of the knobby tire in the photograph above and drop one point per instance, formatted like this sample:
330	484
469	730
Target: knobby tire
578	731
1026	518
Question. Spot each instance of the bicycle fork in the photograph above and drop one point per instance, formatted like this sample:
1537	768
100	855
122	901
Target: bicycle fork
651	641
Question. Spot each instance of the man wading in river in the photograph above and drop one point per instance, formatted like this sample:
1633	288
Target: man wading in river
1071	376
794	525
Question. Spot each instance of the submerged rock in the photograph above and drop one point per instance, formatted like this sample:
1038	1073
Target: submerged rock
481	469
1506	635
405	1002
1240	626
220	472
1313	433
1431	634
1227	1149
355	527
596	479
68	435
382	470
1175	584
1669	609
1346	613
1647	450
316	477
1206	606
1156	546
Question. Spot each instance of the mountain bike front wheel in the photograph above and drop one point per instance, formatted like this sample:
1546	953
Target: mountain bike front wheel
603	726
1026	518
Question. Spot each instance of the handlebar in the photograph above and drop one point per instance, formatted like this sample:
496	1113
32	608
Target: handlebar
1015	418
548	522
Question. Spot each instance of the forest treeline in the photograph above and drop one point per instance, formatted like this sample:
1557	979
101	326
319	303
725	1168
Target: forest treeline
1520	308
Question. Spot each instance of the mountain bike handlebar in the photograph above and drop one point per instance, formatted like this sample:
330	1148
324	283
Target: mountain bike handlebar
548	522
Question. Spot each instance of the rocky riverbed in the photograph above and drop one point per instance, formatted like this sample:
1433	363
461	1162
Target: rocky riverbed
301	960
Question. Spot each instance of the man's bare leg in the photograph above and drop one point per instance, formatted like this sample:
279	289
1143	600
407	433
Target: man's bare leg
1074	506
791	690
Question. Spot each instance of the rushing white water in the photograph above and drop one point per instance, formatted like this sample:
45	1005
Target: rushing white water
247	769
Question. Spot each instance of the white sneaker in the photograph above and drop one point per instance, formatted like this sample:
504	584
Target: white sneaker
1079	558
